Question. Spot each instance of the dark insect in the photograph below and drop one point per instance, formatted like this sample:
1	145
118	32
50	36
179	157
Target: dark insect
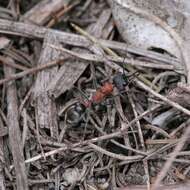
76	113
120	81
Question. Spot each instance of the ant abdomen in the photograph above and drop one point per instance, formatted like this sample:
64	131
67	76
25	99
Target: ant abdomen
74	114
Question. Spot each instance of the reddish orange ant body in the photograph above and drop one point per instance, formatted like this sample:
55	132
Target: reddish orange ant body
120	81
100	94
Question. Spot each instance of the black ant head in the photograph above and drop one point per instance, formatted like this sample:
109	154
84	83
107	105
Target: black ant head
120	81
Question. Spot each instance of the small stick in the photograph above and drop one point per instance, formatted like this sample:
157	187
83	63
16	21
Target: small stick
31	71
108	50
172	157
100	58
113	155
181	186
60	14
4	61
145	162
139	83
96	139
93	39
158	130
24	100
14	133
34	31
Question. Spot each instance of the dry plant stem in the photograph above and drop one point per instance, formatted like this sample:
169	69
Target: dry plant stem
96	58
46	118
96	139
102	58
139	83
14	65
42	11
38	137
181	186
31	71
84	8
33	31
160	150
145	162
14	133
182	126
69	73
25	100
25	127
163	98
93	39
172	156
161	141
2	179
158	130
120	111
113	155
184	153
176	37
109	51
4	118
115	142
57	16
19	56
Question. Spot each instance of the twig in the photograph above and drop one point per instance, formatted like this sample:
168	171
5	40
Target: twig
103	137
4	61
115	142
113	155
57	16
24	100
31	71
2	158
33	31
158	130
109	51
173	155
164	26
14	133
145	162
43	10
181	186
139	83
46	118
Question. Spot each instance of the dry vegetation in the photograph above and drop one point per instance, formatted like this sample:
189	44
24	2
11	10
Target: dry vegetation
82	109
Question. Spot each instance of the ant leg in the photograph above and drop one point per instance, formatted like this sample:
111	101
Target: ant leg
81	92
93	73
123	66
134	74
87	113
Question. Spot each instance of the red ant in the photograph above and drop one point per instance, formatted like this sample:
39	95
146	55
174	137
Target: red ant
120	81
100	94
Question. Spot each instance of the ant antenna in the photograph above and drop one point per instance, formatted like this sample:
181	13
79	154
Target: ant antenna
122	65
133	75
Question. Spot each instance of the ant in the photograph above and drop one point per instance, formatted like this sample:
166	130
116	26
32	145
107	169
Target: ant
120	81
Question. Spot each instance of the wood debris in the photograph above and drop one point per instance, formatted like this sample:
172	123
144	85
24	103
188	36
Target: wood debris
81	108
